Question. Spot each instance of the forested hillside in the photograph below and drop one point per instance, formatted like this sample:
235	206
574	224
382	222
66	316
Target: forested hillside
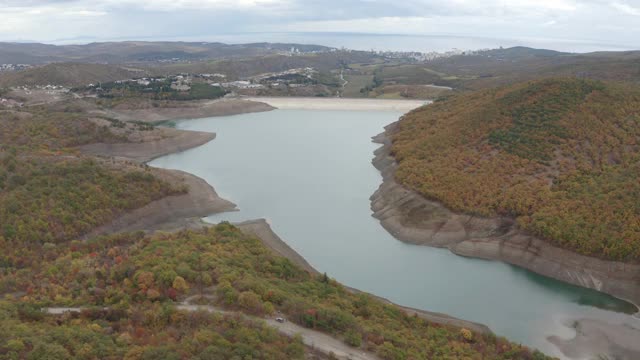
560	155
51	194
145	332
49	200
137	280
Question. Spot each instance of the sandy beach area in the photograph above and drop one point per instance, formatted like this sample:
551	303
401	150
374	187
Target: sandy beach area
319	103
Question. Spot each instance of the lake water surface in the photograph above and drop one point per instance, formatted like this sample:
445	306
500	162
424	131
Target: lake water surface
309	174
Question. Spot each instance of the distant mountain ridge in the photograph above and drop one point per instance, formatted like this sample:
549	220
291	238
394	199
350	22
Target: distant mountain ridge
138	51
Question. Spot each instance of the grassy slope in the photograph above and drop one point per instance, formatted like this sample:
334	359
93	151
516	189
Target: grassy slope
560	155
355	84
68	74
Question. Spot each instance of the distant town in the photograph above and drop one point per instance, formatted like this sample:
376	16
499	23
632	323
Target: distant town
14	67
183	82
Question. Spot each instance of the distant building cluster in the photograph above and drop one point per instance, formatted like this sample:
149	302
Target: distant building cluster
209	76
48	88
425	56
181	82
13	67
293	51
292	77
240	84
284	76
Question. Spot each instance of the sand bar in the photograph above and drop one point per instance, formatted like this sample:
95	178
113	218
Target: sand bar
319	103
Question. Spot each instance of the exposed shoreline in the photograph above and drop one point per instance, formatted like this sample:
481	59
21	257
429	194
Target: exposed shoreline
175	141
411	218
190	110
171	212
187	210
202	200
391	203
262	230
177	211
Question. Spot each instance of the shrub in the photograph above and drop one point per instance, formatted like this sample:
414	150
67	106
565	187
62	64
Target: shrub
467	335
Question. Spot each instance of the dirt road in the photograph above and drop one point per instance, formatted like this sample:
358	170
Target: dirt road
313	339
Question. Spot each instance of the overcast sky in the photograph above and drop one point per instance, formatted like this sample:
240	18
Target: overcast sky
598	21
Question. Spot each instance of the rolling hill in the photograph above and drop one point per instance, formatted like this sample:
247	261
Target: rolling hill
507	66
137	51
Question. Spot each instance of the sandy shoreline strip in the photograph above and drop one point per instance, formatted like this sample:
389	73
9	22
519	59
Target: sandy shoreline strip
320	103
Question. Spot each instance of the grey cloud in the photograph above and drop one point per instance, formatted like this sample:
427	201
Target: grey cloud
580	19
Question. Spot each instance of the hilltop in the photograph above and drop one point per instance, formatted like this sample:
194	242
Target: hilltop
497	67
559	155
